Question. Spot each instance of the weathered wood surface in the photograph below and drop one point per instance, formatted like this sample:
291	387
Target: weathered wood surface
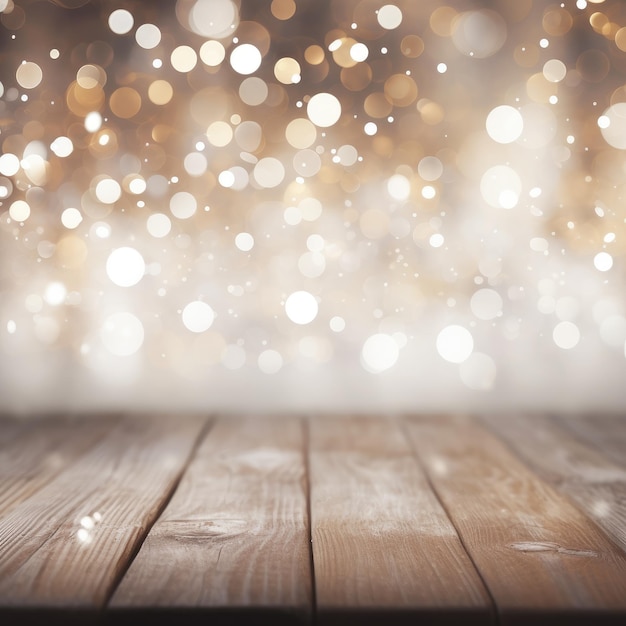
439	520
235	535
67	545
33	452
575	468
383	547
537	553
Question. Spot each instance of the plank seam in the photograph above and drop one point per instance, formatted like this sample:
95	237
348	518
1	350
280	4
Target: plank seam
307	483
157	514
494	607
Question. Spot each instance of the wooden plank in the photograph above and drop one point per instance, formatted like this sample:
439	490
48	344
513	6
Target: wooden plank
578	470
383	547
233	543
606	432
68	544
40	449
542	559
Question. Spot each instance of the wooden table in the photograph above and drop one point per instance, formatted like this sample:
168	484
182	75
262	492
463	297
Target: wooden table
438	519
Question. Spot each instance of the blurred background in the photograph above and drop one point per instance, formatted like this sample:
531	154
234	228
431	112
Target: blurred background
338	205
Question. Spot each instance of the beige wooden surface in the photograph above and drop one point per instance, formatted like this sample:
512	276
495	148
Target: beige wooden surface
381	540
40	449
538	554
235	535
68	543
424	520
574	467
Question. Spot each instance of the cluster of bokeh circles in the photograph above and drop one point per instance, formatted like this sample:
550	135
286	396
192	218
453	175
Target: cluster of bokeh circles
405	189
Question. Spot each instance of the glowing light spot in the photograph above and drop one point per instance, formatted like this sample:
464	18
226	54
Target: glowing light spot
122	334
62	146
442	68
301	307
125	267
389	16
370	128
428	192
500	186
108	191
148	36
455	343
55	293
9	164
380	352
245	59
486	304
566	335
436	240
11	327
183	205
337	324
159	225
399	187
270	361
554	70
244	242
226	178
613	125
19	211
183	58
212	53
324	110
29	75
71	218
504	124
269	172
198	316
603	261
93	122
121	21
359	52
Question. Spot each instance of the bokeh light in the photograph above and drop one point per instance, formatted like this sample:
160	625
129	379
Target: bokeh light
399	202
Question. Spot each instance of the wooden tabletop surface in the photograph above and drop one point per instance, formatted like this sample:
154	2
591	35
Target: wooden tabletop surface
185	519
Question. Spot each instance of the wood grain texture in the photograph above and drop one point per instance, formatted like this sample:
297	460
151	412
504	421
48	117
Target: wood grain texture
383	547
39	449
67	545
577	469
234	539
606	432
538	554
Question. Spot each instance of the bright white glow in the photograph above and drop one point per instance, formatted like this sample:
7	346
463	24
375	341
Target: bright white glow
244	242
125	267
337	324
183	205
455	343
122	334
399	187
359	52
93	122
71	218
301	307
121	21
159	225
198	316
380	352
389	16
19	211
55	293
603	261
9	164
324	110
148	36
108	191
566	335
504	124
613	125
245	59
62	146
501	187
